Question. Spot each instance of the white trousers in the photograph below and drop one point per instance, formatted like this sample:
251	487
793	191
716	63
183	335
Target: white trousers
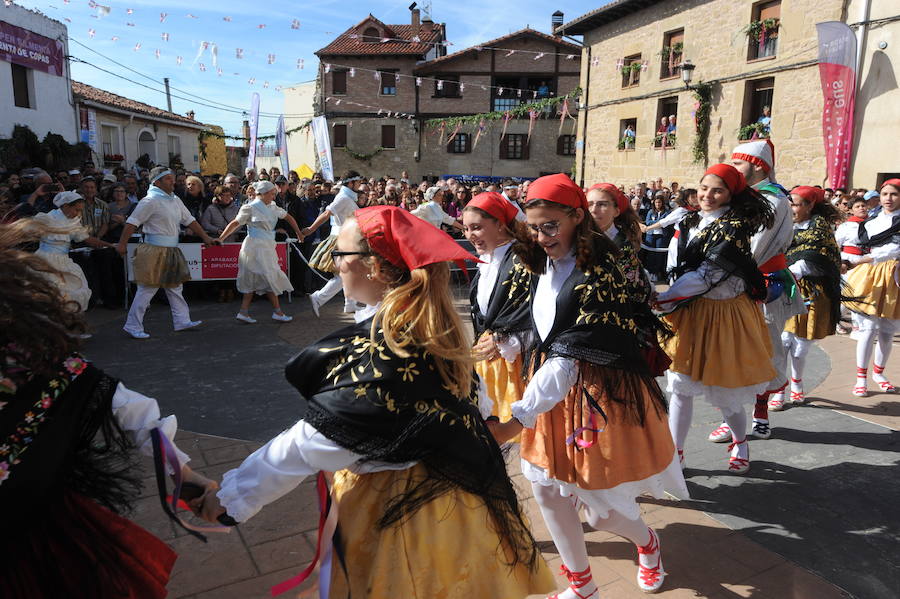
181	315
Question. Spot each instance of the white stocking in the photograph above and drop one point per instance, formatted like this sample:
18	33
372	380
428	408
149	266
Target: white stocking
799	352
886	329
635	531
681	412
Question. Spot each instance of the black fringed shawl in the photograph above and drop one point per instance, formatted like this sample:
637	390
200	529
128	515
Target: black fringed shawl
507	311
595	323
365	398
816	245
878	239
724	243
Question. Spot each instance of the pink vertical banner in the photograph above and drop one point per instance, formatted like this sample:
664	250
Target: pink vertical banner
837	70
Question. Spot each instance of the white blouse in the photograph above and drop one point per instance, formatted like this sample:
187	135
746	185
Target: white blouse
259	215
488	273
342	208
552	381
73	229
888	251
139	414
694	283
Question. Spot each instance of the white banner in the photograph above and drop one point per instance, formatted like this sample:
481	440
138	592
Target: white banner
323	147
254	125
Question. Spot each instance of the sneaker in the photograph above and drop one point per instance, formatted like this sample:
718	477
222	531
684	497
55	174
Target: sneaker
315	304
721	434
281	317
137	334
191	325
245	318
761	429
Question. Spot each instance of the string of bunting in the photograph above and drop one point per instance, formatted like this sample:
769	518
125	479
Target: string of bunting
205	134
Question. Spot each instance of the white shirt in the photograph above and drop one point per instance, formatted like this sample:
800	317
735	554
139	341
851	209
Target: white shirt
160	213
694	283
612	231
259	215
73	229
555	377
431	212
847	234
672	218
139	414
342	208
887	251
488	273
775	240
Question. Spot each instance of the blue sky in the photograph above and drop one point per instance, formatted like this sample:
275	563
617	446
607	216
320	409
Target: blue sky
469	22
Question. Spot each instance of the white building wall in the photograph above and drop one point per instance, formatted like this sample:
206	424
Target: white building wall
53	111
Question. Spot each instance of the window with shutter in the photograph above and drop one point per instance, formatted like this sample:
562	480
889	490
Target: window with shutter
565	145
514	147
339	83
461	144
388	136
764	29
340	136
388	82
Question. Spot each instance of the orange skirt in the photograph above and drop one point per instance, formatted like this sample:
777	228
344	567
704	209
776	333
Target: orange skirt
877	287
721	343
818	322
447	549
625	451
504	384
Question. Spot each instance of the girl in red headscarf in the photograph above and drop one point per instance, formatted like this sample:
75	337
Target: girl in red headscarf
500	296
592	418
815	261
874	281
721	348
425	508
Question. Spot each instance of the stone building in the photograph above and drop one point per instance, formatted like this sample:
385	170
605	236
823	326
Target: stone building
120	130
379	84
749	72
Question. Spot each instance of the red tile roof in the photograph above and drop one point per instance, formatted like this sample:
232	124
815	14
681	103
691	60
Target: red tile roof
89	92
351	43
576	49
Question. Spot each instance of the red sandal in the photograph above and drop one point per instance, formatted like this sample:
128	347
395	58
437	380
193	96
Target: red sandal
577	580
884	385
861	390
738	465
650	579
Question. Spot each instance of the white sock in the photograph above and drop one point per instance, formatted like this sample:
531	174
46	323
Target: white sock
681	412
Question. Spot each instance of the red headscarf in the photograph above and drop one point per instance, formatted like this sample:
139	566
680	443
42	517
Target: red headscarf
406	240
813	195
496	205
559	189
894	182
621	199
733	178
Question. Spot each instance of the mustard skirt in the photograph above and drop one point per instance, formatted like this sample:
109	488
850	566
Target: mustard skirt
447	549
504	384
624	451
818	322
157	266
877	287
321	257
721	343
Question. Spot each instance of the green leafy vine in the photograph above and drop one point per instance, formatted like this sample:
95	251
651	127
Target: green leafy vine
364	157
703	96
519	111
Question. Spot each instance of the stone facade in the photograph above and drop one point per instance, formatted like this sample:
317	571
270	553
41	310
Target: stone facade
714	41
417	146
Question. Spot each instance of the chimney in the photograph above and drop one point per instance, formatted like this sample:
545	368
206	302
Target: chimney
556	21
415	14
190	114
245	133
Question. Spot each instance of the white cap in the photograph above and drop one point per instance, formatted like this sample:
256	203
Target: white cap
262	187
66	197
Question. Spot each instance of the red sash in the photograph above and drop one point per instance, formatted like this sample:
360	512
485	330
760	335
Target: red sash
773	264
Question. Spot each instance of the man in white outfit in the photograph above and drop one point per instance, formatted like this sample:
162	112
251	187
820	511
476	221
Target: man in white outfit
158	262
756	160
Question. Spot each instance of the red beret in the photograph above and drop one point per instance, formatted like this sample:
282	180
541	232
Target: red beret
496	205
406	240
621	199
813	195
559	189
733	178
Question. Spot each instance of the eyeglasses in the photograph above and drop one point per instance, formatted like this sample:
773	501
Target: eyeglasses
336	256
550	229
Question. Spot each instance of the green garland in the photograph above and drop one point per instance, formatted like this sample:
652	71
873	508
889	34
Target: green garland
755	28
746	132
517	112
258	137
700	148
364	157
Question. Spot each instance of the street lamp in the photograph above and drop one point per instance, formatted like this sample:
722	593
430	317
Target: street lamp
687	72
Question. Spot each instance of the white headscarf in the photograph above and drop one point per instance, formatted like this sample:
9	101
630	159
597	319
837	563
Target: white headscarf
262	187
